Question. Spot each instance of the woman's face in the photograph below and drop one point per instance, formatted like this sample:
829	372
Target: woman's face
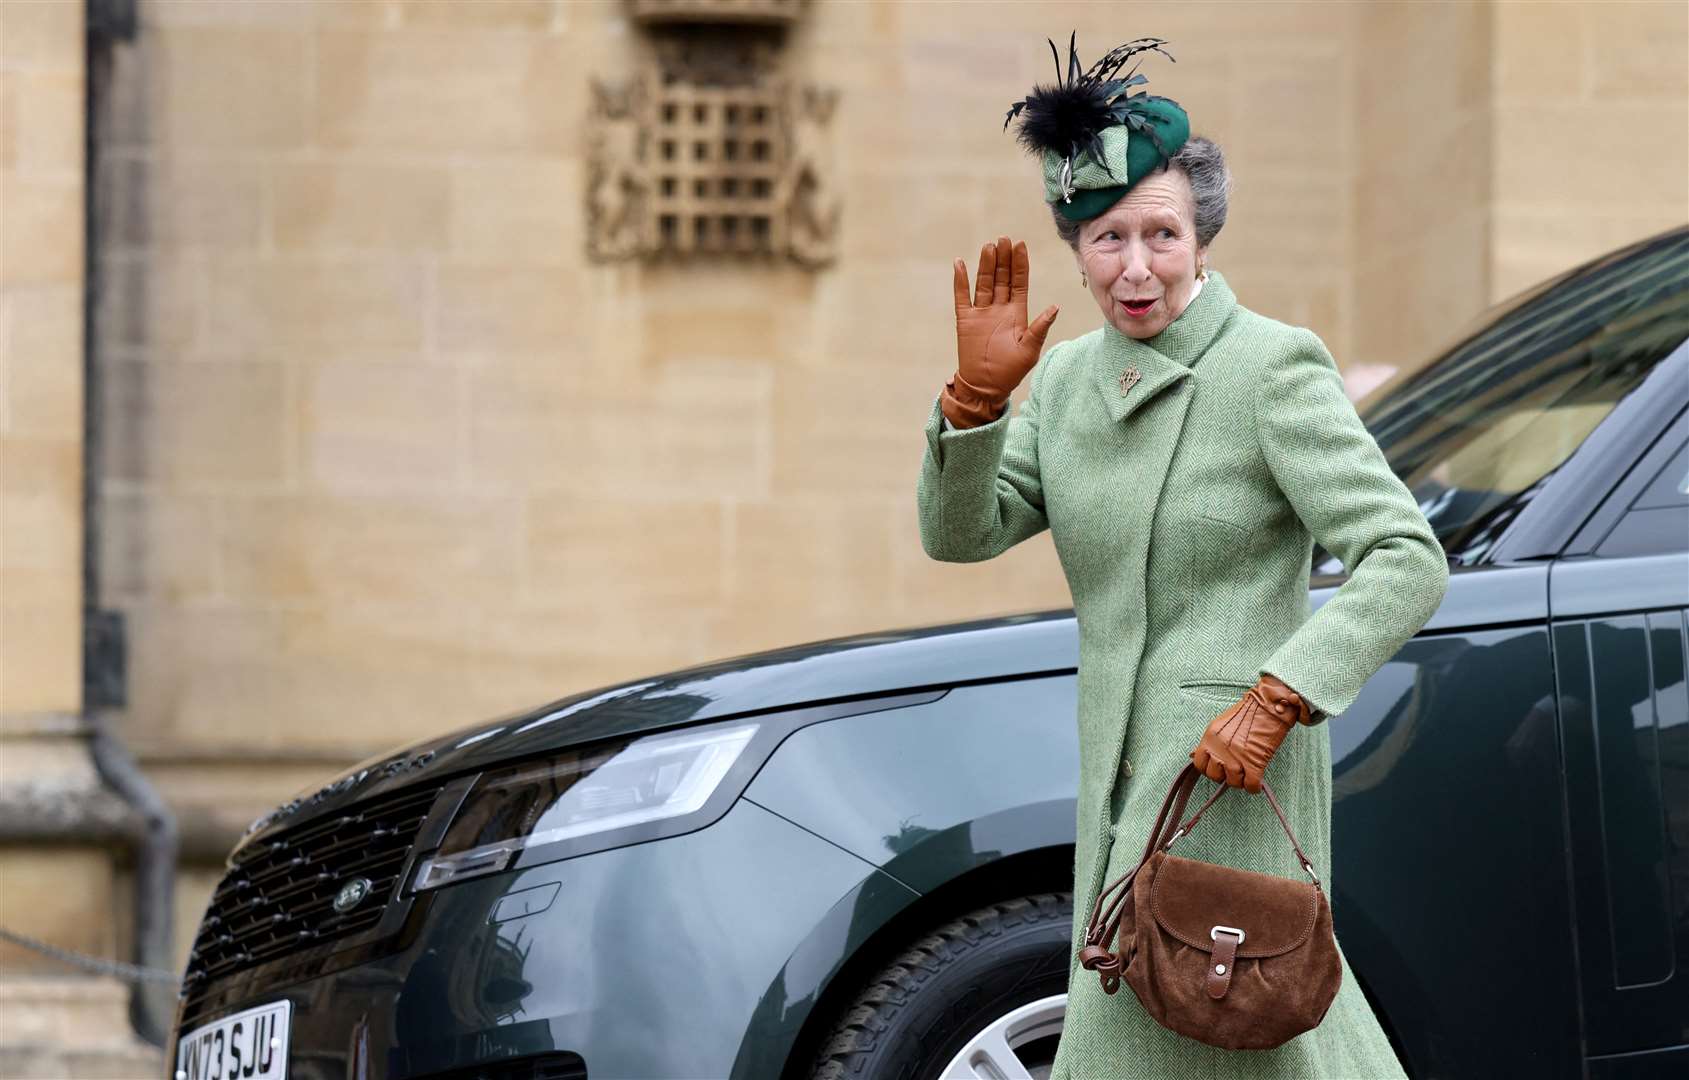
1139	256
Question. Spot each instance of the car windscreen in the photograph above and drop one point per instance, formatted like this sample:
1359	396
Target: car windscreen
1476	433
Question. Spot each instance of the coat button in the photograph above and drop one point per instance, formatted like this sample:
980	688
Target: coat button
1126	766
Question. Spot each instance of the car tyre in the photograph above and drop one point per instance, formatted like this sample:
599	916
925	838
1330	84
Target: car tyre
957	981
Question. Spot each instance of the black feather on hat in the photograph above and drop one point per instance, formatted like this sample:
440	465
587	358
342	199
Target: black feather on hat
1067	118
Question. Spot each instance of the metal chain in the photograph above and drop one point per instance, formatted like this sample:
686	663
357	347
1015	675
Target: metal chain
127	972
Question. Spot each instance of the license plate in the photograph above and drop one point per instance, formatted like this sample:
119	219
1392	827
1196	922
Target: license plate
250	1045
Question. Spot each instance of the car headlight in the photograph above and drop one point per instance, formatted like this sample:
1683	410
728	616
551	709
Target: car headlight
597	789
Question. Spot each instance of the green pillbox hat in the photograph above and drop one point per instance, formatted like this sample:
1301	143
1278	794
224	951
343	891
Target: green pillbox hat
1095	140
1130	158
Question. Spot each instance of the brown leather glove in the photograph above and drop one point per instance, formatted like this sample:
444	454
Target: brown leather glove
995	347
1240	741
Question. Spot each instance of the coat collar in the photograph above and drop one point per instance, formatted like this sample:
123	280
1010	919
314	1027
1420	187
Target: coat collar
1165	358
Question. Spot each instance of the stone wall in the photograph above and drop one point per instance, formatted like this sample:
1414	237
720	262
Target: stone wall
1590	107
1423	209
59	828
45	773
1500	144
41	59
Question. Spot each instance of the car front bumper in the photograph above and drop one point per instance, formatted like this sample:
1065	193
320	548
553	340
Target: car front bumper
697	955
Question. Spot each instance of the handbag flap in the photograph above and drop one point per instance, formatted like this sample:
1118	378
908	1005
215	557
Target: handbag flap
1190	897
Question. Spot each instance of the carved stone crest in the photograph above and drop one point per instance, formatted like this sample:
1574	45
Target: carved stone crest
617	186
807	189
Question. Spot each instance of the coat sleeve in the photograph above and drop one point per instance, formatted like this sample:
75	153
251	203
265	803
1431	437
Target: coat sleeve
1334	474
979	492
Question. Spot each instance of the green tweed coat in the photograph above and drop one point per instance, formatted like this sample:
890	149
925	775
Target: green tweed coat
1184	512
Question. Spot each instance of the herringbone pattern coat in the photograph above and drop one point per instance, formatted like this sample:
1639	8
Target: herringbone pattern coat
1184	512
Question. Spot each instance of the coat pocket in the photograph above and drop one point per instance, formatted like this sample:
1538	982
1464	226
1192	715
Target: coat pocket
1224	691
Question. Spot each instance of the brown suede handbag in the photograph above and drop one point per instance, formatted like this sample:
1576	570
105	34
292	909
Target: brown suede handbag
1229	957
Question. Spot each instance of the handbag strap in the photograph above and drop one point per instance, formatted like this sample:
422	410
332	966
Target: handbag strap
1102	926
1301	856
1103	923
1181	791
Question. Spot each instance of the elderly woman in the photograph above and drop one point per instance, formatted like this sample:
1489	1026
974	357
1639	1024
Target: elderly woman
1185	455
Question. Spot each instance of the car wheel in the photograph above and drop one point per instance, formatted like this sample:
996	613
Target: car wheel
980	996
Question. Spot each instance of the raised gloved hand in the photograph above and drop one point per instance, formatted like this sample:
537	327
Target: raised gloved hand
1240	741
995	347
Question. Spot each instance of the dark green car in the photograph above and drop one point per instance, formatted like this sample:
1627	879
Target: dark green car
852	858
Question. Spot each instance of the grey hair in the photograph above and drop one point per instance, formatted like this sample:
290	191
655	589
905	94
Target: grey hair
1204	166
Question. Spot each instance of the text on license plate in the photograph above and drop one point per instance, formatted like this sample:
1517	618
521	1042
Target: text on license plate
250	1045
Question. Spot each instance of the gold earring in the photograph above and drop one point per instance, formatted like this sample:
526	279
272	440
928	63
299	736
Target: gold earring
1083	282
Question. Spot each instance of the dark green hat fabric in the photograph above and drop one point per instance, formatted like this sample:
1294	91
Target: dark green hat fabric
1129	156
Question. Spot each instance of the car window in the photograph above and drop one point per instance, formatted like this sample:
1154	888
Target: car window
1670	487
1477	432
1657	522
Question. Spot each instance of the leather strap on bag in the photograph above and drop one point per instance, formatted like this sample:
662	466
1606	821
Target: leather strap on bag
1097	955
1221	961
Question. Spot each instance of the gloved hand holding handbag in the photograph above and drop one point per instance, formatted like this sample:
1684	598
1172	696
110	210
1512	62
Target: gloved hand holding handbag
1240	741
995	347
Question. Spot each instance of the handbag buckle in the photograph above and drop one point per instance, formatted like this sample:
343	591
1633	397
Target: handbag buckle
1228	929
1310	871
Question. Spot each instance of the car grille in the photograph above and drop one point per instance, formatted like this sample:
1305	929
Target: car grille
279	896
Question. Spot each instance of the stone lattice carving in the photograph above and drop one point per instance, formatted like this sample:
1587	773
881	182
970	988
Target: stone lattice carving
709	151
717	155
